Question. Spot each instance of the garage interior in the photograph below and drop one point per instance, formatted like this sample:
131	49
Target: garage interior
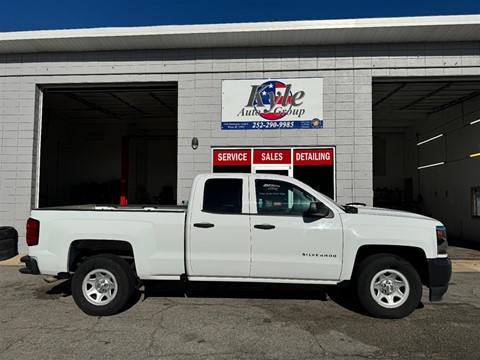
426	146
109	144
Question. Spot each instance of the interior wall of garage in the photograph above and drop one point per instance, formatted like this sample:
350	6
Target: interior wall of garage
93	137
75	154
445	190
152	170
347	71
389	161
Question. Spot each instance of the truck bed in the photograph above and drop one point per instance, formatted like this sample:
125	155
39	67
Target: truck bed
153	233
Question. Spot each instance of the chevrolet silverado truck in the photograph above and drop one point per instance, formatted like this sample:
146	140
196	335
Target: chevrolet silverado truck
241	228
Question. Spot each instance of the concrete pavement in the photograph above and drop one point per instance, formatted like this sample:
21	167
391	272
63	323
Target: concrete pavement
233	321
13	261
464	259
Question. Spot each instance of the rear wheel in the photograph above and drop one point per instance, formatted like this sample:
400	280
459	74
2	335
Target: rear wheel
103	285
388	286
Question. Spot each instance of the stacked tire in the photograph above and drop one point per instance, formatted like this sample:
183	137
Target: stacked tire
8	242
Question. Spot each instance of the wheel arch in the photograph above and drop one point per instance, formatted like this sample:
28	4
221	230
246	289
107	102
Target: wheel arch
85	248
414	255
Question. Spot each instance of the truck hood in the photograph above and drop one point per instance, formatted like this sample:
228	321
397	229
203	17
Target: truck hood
389	212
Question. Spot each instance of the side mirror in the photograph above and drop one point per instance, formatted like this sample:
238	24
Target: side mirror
317	209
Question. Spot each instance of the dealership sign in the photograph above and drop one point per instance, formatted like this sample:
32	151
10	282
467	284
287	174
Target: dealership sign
229	157
313	156
289	156
272	104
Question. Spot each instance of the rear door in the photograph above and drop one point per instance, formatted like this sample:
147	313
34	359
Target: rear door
218	234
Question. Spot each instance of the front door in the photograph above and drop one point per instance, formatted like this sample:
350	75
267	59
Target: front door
219	229
287	245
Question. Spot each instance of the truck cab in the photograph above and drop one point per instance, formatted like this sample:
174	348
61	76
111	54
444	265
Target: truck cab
255	227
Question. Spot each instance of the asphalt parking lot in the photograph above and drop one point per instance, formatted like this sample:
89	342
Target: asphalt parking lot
227	321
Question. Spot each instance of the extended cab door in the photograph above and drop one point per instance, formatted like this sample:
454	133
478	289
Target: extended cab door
285	243
218	233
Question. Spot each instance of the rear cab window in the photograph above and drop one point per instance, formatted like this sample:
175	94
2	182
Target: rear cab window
223	196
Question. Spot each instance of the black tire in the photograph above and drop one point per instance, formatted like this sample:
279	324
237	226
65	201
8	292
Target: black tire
113	283
7	232
388	286
7	244
7	254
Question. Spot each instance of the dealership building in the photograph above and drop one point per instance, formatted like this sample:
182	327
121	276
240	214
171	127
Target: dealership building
384	112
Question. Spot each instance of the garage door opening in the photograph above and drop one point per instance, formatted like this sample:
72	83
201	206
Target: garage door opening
109	145
425	137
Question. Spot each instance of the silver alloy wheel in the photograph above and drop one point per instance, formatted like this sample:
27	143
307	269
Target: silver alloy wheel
389	288
99	287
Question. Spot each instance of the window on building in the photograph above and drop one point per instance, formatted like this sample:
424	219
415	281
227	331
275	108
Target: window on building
476	202
223	196
232	169
281	198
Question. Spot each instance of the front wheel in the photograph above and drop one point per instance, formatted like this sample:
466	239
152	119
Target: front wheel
388	286
103	285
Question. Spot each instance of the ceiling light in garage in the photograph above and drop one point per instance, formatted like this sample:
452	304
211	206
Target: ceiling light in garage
431	165
428	140
475	121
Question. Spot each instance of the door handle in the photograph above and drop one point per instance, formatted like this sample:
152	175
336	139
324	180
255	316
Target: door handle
203	225
264	226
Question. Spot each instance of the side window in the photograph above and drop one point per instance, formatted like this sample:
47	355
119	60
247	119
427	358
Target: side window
281	198
223	196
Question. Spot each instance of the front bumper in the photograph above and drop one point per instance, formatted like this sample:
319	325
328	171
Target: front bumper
439	274
31	266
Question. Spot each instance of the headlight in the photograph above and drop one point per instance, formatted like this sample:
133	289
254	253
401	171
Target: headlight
442	243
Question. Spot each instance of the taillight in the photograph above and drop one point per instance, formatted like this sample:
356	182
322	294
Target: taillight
33	229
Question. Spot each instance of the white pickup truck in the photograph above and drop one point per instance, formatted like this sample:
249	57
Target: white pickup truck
242	228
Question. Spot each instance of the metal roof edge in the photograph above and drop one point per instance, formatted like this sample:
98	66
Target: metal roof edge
63	40
444	20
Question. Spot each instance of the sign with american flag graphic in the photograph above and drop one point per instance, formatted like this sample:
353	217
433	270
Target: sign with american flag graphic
272	104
